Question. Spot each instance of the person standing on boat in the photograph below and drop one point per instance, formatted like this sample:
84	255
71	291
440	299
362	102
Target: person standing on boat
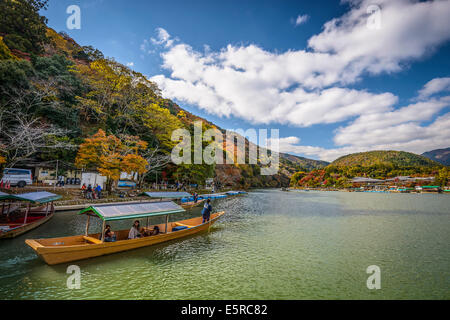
195	197
134	231
206	212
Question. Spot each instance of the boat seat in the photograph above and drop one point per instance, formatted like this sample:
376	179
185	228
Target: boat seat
93	240
182	225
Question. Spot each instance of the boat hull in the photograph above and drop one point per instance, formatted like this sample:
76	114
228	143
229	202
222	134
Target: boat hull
24	228
54	251
192	204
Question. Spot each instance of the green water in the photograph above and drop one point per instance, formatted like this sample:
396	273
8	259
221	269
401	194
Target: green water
270	245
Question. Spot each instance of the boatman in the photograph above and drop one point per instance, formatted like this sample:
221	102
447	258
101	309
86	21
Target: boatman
206	212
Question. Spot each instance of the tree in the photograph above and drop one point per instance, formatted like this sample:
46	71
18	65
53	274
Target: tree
296	177
24	28
116	94
161	123
442	177
111	155
155	161
23	136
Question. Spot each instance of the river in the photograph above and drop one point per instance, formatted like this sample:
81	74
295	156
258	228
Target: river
269	245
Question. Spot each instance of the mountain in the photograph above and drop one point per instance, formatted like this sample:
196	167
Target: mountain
396	158
439	155
305	163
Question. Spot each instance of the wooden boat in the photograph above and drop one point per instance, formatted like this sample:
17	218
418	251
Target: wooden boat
16	223
89	245
179	196
192	204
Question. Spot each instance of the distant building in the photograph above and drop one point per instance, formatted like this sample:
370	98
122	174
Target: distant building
364	180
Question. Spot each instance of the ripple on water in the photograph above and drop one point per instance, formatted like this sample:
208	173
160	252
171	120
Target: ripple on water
269	245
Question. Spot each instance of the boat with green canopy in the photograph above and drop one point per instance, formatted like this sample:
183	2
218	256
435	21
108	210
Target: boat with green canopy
185	199
89	245
16	220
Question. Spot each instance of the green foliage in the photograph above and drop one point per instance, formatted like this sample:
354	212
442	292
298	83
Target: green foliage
443	177
5	53
296	177
15	75
396	158
24	28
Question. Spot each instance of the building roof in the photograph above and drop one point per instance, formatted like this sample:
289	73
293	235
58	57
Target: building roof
122	211
3	195
364	179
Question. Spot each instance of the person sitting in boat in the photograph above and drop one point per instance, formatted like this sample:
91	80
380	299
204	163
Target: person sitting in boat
135	231
145	232
206	212
110	236
155	231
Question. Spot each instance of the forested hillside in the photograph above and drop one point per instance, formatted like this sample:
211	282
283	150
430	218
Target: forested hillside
395	158
371	164
60	100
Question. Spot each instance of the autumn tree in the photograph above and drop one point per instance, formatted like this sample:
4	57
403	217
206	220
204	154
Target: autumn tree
111	155
115	93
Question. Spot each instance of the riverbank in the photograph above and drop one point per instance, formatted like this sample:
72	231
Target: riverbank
73	198
433	190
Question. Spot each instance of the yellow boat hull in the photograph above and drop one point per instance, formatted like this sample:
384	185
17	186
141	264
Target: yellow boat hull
66	249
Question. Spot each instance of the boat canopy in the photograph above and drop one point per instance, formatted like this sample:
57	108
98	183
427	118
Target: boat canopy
4	196
121	211
213	196
168	194
36	197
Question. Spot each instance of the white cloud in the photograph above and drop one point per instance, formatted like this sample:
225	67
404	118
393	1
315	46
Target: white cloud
399	129
301	19
130	64
163	37
216	83
434	86
308	87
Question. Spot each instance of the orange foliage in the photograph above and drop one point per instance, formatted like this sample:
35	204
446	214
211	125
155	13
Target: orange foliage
112	155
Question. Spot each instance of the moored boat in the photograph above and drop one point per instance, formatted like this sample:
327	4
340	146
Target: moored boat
185	199
15	222
72	248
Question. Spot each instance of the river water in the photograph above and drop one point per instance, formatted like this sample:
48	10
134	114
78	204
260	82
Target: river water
269	245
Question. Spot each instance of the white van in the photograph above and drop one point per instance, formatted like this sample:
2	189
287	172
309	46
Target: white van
17	177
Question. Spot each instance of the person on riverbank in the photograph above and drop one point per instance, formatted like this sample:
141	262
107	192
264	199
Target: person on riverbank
110	236
135	231
98	191
89	192
195	197
83	190
206	212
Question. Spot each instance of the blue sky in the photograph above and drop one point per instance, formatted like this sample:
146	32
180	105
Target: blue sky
330	91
